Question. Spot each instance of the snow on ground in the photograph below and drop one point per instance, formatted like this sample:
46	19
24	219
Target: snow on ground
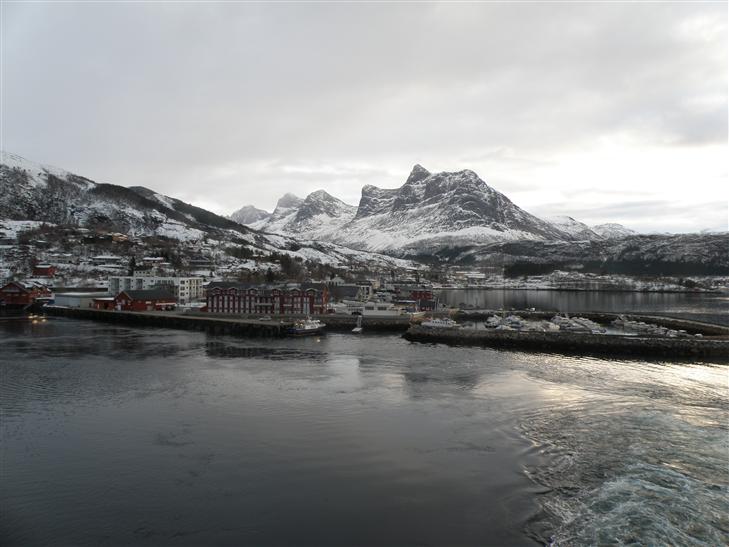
34	169
178	231
11	228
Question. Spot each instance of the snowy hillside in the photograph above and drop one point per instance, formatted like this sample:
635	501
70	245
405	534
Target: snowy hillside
612	230
42	194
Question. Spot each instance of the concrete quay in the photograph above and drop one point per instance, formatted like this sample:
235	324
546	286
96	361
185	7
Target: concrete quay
241	325
171	320
566	342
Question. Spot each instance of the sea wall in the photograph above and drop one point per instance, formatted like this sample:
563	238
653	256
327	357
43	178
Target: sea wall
576	343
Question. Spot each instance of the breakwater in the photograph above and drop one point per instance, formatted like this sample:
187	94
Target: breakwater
566	342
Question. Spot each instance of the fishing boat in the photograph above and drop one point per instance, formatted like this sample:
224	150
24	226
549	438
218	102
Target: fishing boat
358	328
306	327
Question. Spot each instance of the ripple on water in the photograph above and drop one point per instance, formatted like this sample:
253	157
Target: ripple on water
628	463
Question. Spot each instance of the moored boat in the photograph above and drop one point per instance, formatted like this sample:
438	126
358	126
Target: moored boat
306	327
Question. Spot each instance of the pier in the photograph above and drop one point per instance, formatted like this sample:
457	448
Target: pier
171	320
239	325
576	343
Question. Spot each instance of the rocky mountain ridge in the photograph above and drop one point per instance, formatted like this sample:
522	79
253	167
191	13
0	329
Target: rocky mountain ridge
430	210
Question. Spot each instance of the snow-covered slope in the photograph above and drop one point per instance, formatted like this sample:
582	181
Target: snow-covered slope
612	230
34	192
578	230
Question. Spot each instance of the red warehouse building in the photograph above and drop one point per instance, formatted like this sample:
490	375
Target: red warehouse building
145	300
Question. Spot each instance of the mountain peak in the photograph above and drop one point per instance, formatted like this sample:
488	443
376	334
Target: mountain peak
249	214
289	200
320	195
417	174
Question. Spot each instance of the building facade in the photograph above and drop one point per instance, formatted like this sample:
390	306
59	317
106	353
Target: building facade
17	294
185	289
158	299
242	298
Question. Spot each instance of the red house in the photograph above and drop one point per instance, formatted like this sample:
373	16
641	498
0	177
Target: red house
44	270
18	294
146	300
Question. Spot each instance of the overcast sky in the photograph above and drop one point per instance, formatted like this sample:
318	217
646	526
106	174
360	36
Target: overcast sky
604	112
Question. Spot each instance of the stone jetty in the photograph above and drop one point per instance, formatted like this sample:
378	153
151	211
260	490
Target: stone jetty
567	342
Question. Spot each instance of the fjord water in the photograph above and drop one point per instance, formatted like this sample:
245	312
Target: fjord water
125	436
699	306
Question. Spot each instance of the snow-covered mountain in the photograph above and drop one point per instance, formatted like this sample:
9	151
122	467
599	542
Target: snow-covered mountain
319	216
578	230
428	211
31	191
249	215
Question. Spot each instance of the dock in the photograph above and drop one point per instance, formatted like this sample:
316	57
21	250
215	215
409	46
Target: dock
172	320
714	347
239	325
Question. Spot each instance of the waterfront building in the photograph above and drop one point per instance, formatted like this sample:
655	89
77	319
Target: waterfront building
230	297
21	294
185	289
77	299
145	300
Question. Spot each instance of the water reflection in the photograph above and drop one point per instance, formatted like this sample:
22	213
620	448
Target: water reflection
156	437
697	305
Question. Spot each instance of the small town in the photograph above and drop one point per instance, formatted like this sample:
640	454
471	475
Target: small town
81	268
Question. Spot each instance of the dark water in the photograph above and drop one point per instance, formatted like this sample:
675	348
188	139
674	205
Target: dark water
123	436
699	306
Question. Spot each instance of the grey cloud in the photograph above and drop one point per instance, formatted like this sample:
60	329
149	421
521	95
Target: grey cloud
646	215
189	97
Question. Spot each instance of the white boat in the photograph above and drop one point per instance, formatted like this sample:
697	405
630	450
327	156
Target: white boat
358	328
306	327
441	324
381	309
493	322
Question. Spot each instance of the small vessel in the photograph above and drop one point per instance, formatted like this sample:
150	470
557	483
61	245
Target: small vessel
306	327
358	328
493	322
441	324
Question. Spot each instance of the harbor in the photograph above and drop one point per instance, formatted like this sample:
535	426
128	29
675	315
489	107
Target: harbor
698	339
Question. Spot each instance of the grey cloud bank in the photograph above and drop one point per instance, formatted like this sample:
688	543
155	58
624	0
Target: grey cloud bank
602	112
